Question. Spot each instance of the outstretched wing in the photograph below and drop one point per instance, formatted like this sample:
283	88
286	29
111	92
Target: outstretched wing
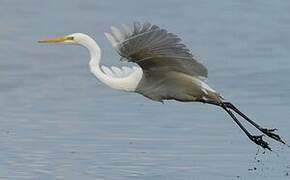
154	49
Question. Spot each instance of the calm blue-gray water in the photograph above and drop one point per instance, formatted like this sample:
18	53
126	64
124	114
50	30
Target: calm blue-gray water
59	122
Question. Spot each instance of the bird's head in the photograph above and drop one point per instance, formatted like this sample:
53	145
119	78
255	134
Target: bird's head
75	38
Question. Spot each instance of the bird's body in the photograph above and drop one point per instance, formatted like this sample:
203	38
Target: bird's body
165	69
174	85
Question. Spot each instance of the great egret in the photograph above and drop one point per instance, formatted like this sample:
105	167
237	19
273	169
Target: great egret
166	70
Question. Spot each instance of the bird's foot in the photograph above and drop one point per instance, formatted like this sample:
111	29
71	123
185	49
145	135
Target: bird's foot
259	141
269	132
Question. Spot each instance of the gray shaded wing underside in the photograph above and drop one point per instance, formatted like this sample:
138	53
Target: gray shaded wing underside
154	49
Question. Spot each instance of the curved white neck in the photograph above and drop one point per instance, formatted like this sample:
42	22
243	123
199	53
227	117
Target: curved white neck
128	83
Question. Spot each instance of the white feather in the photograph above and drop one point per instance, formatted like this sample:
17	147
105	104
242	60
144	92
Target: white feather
117	71
203	85
111	39
108	71
203	90
126	70
117	33
127	29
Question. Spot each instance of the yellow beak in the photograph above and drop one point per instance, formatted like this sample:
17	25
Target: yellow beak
56	39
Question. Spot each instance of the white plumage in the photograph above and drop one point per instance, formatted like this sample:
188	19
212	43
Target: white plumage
165	69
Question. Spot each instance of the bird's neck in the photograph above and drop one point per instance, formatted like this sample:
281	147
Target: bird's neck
128	84
95	58
95	55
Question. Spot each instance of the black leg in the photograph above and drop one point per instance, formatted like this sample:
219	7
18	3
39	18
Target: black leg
268	132
256	139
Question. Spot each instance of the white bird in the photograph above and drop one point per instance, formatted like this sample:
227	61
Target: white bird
165	69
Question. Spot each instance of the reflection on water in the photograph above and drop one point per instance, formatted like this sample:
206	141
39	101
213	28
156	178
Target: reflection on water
58	122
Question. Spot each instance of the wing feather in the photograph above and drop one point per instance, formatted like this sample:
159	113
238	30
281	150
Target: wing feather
154	48
108	71
117	71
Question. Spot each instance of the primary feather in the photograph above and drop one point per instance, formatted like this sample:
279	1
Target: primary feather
153	48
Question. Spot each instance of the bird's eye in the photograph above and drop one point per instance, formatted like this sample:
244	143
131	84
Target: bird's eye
70	38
